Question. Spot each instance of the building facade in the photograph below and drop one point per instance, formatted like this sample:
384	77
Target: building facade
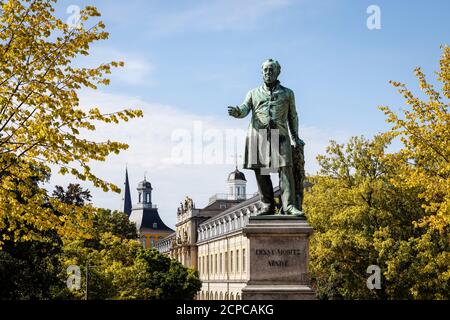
211	240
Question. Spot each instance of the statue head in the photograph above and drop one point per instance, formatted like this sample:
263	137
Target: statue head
271	70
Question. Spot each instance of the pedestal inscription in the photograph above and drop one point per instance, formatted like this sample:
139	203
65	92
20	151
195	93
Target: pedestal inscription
279	252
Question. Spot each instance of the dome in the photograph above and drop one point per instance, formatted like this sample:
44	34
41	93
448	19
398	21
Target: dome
236	175
144	185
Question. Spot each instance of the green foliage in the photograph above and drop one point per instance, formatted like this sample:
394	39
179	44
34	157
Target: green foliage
115	222
121	269
30	270
74	194
41	121
370	207
166	278
351	205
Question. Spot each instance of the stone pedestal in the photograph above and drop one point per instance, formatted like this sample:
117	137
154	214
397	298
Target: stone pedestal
278	264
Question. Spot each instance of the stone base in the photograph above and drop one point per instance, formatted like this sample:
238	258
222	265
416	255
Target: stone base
277	217
278	259
278	292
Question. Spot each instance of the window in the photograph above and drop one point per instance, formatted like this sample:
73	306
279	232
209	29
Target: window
243	260
155	225
152	242
220	263
148	197
215	263
231	261
237	260
140	197
207	264
226	262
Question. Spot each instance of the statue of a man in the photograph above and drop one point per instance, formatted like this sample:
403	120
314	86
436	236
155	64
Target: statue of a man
268	145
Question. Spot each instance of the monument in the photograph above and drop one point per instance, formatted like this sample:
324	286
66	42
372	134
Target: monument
278	243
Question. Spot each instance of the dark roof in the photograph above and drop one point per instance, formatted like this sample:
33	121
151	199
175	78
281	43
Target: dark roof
147	217
236	175
127	198
144	184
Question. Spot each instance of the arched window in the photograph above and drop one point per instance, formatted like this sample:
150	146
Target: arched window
207	295
238	297
231	296
221	295
231	261
226	295
216	296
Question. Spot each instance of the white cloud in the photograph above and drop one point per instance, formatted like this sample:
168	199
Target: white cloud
217	16
137	69
150	141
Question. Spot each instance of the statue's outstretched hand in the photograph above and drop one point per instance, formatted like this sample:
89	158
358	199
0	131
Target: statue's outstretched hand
233	111
299	142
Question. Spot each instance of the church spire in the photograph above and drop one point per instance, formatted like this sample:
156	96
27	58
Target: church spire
127	197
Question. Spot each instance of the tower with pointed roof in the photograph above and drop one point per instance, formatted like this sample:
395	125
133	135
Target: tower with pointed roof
127	197
144	214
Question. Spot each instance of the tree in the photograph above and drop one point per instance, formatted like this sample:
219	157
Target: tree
164	278
110	242
115	222
41	122
424	163
122	269
351	206
29	269
371	207
73	195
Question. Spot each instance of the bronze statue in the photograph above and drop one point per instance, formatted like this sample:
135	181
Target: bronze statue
268	144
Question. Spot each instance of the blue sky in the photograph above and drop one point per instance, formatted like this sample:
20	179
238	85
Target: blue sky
337	67
187	61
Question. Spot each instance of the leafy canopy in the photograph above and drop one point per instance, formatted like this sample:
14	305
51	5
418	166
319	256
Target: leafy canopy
41	121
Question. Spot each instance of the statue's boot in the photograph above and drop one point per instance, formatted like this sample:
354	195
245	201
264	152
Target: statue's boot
293	211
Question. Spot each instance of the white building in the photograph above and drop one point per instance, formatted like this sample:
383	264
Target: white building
211	240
